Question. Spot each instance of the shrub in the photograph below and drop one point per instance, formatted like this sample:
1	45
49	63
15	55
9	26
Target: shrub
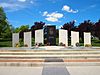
17	45
25	45
40	44
61	44
87	45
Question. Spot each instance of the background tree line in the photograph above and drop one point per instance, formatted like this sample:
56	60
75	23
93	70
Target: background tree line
6	29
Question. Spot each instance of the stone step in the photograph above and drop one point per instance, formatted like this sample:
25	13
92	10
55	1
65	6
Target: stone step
51	60
52	56
38	64
36	50
49	53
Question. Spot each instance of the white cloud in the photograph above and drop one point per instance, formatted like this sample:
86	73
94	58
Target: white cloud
31	2
15	5
68	9
60	26
89	7
53	17
12	7
8	5
22	0
45	13
75	20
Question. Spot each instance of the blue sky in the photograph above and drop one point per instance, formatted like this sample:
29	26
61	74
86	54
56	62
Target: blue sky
54	12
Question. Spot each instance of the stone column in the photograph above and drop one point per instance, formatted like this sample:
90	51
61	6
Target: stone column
27	39
39	36
63	37
87	38
15	39
74	38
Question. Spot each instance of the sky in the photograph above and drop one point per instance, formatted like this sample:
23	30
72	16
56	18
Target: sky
52	12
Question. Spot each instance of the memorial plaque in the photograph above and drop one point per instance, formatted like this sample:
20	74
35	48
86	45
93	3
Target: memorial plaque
39	36
27	39
50	35
87	38
74	38
15	39
63	37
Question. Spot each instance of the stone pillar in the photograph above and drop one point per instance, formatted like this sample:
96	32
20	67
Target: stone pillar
63	37
39	36
74	38
27	39
87	38
15	39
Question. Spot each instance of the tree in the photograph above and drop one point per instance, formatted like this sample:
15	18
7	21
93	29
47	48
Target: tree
97	29
69	26
36	26
86	26
21	30
5	27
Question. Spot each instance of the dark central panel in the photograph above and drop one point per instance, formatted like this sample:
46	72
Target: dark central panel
50	35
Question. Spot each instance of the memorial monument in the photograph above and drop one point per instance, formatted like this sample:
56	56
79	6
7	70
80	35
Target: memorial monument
15	39
63	37
47	36
50	35
27	39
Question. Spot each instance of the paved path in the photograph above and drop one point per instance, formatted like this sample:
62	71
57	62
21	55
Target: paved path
73	70
54	70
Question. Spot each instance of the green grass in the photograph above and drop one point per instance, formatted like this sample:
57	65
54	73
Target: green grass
5	42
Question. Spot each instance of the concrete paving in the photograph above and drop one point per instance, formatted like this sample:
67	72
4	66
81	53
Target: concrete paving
68	70
55	71
84	70
21	70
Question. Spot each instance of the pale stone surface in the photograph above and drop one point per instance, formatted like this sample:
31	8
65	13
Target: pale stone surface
72	70
87	38
27	39
83	70
74	38
21	70
39	36
63	37
15	39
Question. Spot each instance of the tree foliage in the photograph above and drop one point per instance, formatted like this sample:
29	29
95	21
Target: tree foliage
21	28
69	26
36	26
97	29
5	27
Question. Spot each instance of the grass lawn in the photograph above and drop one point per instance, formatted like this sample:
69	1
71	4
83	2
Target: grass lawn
5	43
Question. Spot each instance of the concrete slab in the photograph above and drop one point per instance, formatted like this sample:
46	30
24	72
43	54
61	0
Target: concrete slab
21	70
55	71
60	70
84	70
